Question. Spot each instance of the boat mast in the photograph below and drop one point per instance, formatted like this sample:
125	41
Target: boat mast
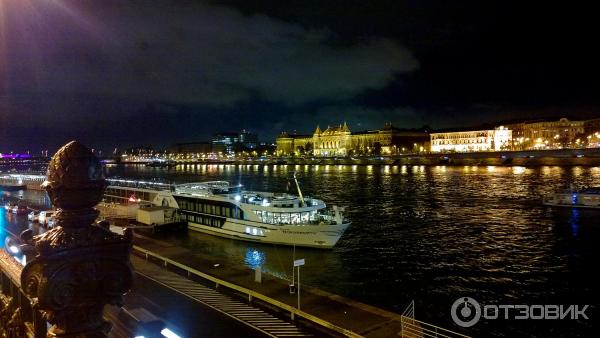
299	191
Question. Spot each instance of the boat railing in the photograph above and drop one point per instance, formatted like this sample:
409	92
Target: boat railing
137	184
210	187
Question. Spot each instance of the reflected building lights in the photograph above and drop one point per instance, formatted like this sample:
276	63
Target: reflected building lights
518	170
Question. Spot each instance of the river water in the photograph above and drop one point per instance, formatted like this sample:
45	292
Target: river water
430	234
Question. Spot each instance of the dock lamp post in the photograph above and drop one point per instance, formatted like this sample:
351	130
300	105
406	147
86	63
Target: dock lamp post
298	263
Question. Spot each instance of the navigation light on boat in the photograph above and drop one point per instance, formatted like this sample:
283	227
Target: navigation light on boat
133	199
265	203
574	199
238	198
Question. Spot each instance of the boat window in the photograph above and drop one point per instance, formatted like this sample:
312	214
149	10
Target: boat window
269	218
295	218
276	217
305	217
285	218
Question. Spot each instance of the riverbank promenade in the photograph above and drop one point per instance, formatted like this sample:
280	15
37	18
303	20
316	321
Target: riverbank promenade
165	298
334	315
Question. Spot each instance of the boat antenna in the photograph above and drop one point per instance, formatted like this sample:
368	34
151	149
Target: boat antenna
299	191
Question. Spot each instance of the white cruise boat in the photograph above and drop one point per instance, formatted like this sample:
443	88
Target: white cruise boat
217	208
585	198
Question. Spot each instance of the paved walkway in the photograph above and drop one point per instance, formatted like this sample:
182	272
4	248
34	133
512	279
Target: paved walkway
252	316
360	318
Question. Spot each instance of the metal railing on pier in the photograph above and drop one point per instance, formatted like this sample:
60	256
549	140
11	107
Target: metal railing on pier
251	294
412	328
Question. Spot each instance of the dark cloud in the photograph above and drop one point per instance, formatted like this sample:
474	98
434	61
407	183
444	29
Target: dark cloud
199	54
157	72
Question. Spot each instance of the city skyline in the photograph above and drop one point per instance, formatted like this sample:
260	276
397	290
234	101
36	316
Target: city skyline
89	70
430	168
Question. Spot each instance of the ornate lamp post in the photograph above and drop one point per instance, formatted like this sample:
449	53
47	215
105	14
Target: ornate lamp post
79	267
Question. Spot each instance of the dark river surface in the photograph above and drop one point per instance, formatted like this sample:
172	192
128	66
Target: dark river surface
430	234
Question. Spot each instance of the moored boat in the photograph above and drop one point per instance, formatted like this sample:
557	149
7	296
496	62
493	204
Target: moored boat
217	208
161	164
584	198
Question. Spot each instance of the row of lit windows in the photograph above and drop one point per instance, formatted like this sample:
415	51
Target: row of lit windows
466	141
458	135
210	207
204	220
112	199
459	148
285	217
143	195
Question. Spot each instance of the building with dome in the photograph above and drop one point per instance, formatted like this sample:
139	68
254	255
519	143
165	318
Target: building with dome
341	141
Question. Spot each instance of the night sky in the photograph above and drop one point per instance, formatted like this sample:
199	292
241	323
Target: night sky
141	72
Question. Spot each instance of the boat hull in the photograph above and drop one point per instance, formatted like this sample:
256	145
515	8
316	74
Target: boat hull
552	204
573	200
313	236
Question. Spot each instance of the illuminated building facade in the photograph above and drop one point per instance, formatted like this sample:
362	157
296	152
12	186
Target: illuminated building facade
468	141
340	141
563	133
592	133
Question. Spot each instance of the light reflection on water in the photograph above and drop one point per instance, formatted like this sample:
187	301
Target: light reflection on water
431	234
574	221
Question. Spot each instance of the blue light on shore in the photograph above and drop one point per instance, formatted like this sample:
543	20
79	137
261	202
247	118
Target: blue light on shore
254	258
